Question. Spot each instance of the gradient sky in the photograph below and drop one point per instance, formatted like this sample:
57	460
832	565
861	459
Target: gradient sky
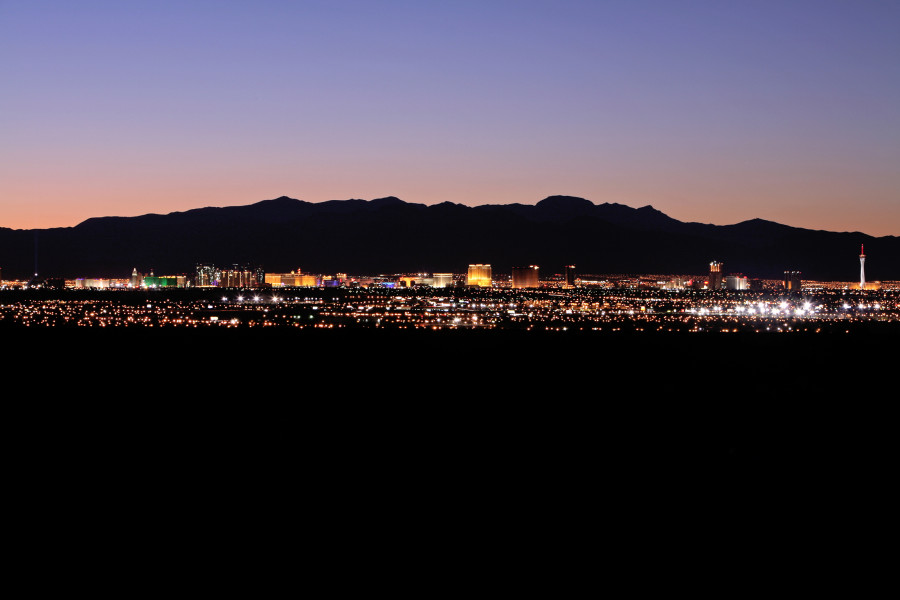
715	111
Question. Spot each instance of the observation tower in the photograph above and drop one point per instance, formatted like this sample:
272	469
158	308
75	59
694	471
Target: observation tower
862	267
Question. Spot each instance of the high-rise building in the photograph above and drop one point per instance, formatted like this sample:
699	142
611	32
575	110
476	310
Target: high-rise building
479	275
292	279
715	275
862	267
569	276
792	284
442	280
235	277
737	282
135	278
677	283
206	275
525	277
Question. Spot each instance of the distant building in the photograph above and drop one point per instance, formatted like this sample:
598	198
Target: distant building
442	280
862	267
737	282
205	275
525	277
83	283
277	279
569	276
715	275
676	283
241	277
479	275
166	281
292	279
792	283
135	280
238	276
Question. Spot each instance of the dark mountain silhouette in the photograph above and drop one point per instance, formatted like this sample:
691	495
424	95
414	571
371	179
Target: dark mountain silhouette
389	235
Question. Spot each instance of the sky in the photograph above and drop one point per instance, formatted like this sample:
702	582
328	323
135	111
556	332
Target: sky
711	111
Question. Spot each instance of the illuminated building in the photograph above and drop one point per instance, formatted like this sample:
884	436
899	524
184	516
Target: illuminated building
525	277
442	280
292	279
229	278
715	275
277	279
792	284
240	277
135	281
737	282
174	280
569	276
479	275
862	267
164	281
206	275
100	284
677	283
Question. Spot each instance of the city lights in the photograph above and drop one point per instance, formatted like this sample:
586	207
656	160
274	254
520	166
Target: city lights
576	309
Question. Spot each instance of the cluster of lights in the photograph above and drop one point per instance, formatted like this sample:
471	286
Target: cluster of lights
554	310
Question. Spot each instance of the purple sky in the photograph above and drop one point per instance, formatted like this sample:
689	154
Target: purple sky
714	111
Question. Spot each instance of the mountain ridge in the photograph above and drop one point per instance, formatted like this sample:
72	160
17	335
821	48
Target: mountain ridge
391	235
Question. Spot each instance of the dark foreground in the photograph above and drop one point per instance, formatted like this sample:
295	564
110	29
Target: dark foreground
471	432
573	399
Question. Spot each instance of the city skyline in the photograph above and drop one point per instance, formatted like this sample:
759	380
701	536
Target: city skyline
710	112
235	276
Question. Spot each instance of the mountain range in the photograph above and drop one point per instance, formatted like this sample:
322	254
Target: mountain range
388	235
